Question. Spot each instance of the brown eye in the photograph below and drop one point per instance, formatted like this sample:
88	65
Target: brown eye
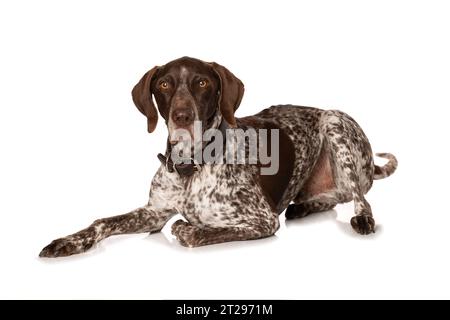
164	85
202	83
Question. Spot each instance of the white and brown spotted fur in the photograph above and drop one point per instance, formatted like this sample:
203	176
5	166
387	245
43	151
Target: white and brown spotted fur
326	159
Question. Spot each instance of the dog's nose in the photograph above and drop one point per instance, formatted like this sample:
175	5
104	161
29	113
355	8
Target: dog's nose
183	116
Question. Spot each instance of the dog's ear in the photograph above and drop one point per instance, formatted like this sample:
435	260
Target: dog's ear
230	94
142	98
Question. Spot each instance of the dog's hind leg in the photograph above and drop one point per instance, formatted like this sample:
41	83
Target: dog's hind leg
295	211
352	160
318	193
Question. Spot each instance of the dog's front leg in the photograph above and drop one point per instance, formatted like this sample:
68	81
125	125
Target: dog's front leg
193	236
144	219
150	218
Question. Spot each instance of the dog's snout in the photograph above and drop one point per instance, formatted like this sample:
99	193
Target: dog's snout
183	116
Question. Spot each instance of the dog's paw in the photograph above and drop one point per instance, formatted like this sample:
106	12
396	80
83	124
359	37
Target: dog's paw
295	211
64	247
363	224
187	234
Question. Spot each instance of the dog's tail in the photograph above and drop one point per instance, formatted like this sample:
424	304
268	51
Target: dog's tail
386	170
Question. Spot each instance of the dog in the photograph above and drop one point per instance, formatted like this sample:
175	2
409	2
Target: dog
325	159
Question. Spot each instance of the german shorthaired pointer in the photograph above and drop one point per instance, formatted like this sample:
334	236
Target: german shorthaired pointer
324	156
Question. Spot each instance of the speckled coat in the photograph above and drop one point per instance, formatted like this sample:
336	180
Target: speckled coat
325	159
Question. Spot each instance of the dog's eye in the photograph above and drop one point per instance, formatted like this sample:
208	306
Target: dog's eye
202	83
164	85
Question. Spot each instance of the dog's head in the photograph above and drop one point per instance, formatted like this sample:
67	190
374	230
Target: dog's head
187	90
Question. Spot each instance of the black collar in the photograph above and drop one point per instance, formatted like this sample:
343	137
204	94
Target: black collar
185	169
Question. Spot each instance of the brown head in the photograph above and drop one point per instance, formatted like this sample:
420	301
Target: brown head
187	90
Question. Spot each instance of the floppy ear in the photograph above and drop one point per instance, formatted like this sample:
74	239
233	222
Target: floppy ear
142	98
231	92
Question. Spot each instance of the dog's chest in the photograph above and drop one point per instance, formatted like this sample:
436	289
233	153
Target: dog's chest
214	196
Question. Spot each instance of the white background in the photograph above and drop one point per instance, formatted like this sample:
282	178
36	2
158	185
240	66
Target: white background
74	148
